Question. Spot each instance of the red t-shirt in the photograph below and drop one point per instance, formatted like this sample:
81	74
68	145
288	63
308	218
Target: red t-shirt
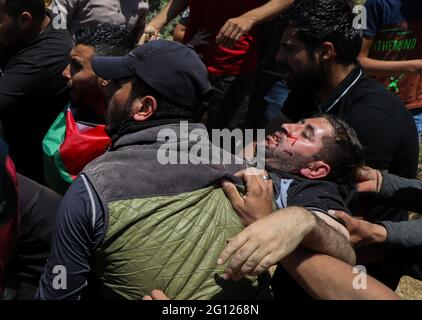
211	15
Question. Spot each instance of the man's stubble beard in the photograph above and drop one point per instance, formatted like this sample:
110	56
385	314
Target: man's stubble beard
280	160
312	78
114	119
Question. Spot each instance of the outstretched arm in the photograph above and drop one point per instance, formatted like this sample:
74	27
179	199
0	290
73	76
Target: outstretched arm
270	237
265	242
396	190
236	27
401	192
139	27
325	277
167	14
381	67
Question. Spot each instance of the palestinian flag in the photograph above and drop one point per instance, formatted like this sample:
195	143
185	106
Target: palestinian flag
69	146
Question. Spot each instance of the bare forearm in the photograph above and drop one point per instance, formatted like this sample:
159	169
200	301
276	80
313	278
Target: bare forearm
321	237
168	13
268	11
380	67
139	27
325	277
325	239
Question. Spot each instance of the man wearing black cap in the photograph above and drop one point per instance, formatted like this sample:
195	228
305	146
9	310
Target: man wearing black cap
131	222
137	224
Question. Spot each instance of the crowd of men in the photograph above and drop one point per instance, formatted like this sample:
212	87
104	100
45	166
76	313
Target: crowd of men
93	103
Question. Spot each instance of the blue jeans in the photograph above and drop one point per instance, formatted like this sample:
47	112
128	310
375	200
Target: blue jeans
274	100
228	104
417	116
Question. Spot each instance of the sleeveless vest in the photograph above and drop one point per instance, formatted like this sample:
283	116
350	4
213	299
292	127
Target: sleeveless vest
166	224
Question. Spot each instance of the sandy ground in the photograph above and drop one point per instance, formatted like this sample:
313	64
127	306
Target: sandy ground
409	288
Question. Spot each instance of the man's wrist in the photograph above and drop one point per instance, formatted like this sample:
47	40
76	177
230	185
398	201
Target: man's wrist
414	66
152	28
379	233
250	18
419	66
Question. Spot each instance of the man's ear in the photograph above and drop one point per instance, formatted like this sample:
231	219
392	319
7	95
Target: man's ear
25	20
316	170
144	108
327	52
102	83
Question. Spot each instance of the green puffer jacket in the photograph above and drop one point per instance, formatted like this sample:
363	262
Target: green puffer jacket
167	224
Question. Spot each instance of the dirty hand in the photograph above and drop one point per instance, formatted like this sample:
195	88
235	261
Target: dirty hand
361	232
234	29
257	202
265	242
156	295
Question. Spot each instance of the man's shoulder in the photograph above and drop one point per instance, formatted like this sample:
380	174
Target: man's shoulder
368	93
317	195
371	104
387	5
384	11
77	190
309	193
300	184
80	205
54	39
47	50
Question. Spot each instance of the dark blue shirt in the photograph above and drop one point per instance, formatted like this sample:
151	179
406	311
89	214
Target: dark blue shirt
81	224
80	229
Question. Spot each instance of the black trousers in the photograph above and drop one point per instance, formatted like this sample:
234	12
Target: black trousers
228	105
38	208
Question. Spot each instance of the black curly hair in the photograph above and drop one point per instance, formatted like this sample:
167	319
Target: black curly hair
343	151
107	39
326	20
15	7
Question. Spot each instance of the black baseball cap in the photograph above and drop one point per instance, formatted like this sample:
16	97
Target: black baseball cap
172	69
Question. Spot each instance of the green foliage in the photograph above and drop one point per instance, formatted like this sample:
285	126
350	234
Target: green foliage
156	4
154	7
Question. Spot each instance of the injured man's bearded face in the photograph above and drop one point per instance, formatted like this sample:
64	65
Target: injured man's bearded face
295	146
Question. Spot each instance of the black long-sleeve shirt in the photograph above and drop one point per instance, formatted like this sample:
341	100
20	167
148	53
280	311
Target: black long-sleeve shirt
407	194
32	94
382	123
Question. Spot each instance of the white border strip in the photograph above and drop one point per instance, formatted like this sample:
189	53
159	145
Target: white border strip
345	91
91	197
